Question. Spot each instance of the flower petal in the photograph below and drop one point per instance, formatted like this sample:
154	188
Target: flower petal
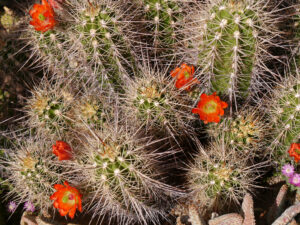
63	212
72	212
58	186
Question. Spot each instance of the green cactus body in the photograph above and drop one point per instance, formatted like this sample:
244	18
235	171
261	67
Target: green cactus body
90	111
291	105
52	112
164	16
157	104
34	170
151	102
31	173
122	176
221	174
229	46
105	44
248	131
53	49
117	162
50	45
221	179
8	20
286	116
95	44
48	110
60	51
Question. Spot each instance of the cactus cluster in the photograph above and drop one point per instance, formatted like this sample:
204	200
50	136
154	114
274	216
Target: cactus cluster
147	103
92	40
164	21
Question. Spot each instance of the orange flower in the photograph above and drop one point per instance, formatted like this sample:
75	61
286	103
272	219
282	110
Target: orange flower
66	199
210	108
294	151
43	16
62	150
184	75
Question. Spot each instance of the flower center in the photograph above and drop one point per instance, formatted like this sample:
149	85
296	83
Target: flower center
186	74
42	17
68	198
210	107
71	197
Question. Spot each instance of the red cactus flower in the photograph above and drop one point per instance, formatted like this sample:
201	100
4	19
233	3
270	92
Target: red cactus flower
184	75
66	199
210	108
294	151
43	16
62	150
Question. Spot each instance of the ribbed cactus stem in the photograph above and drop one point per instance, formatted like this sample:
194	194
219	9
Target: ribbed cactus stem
48	109
232	41
164	16
31	171
105	44
221	174
229	46
286	118
154	102
121	178
53	48
95	44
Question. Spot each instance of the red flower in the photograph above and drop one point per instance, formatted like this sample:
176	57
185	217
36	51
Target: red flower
67	199
294	151
184	75
43	16
62	150
210	108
